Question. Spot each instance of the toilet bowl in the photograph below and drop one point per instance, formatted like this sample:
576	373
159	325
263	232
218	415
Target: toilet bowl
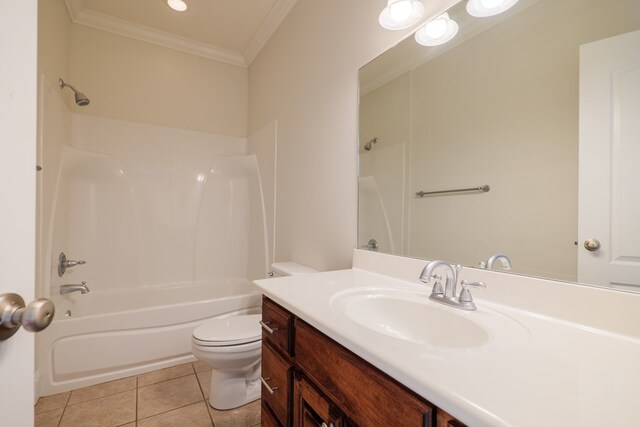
231	347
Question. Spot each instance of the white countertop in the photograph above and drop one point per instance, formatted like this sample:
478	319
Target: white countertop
537	370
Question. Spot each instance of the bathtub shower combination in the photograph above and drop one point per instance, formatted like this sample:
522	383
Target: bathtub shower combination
171	225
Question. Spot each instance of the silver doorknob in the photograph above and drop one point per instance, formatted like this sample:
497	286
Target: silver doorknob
591	245
34	317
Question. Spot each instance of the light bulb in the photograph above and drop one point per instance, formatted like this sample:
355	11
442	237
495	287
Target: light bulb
401	14
436	28
438	31
484	8
400	10
490	4
177	5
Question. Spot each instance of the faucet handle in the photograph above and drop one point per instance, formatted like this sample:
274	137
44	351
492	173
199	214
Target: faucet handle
465	295
437	286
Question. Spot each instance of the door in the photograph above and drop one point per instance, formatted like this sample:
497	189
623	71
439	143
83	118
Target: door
18	106
609	181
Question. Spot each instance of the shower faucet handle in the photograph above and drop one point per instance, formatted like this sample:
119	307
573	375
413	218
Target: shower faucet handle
64	263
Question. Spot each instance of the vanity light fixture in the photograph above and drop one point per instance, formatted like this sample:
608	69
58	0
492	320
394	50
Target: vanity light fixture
484	8
437	31
177	5
401	14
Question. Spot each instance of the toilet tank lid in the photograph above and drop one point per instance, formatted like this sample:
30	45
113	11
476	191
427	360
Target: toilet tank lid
290	268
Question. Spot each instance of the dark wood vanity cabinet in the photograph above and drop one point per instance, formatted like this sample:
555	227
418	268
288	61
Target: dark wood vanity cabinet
313	381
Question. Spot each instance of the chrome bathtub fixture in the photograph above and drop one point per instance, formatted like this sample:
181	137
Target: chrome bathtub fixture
64	263
448	295
67	289
506	263
81	98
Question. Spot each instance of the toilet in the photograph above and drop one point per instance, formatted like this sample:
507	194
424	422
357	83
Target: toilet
231	346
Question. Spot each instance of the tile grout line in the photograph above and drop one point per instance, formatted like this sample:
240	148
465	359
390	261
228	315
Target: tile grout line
136	414
64	409
170	410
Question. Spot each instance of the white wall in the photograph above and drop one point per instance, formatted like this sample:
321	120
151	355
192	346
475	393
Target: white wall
132	80
306	77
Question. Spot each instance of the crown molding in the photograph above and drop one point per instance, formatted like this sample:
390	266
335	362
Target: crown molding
150	35
274	18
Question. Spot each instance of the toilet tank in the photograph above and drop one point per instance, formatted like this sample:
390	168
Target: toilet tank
289	268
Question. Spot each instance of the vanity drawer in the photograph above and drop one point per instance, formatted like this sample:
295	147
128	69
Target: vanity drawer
276	382
276	326
366	395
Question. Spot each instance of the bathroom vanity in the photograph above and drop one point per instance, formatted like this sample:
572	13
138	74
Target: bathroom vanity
366	346
309	379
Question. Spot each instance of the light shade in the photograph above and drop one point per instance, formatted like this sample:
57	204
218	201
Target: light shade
177	5
484	8
438	31
401	14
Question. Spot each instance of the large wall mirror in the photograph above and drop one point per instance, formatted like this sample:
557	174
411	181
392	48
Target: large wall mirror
541	107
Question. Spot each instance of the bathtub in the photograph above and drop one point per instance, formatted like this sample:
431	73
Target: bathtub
104	336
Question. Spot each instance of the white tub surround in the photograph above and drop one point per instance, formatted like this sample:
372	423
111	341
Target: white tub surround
557	353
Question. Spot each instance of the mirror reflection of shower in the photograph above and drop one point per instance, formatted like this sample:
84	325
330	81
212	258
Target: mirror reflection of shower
81	98
369	144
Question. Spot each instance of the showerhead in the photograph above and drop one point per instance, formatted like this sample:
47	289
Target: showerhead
369	144
81	98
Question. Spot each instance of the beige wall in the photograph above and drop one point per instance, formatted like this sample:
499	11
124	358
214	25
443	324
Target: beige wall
306	77
132	80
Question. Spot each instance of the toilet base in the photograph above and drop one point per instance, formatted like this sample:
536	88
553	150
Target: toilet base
228	390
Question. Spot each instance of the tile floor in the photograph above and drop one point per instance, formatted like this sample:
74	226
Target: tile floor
176	396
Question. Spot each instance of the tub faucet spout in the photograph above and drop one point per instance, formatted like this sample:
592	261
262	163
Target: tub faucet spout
67	289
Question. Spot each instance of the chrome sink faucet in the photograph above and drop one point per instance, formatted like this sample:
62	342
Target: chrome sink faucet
448	295
506	262
67	289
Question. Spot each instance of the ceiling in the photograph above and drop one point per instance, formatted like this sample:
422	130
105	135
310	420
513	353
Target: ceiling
231	31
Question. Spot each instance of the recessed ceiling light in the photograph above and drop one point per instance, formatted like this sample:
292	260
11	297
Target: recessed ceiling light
484	8
177	5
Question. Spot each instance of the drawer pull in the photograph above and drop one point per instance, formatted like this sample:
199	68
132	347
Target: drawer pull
269	389
266	327
325	425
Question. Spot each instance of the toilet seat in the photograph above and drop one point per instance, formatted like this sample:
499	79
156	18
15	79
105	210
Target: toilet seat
230	331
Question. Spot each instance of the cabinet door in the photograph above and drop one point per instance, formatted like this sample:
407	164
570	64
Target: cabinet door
276	373
311	408
366	395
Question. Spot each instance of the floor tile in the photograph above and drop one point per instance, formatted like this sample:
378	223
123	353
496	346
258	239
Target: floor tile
55	401
101	390
195	415
128	425
204	378
109	411
49	418
168	395
165	374
244	416
200	366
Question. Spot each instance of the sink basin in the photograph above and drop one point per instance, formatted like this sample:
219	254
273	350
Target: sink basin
419	321
409	315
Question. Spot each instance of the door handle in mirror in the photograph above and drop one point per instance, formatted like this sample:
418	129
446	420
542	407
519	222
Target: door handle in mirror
591	245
